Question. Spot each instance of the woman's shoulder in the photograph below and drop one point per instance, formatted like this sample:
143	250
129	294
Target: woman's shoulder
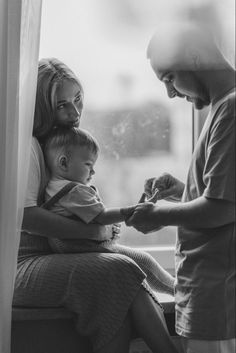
35	146
37	153
37	173
37	158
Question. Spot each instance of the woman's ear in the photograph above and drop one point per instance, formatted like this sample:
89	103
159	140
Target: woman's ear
63	163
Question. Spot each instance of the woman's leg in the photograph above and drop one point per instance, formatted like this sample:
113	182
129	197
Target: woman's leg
121	341
148	320
150	324
98	288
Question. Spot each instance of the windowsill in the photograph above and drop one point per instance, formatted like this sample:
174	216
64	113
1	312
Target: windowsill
164	255
24	313
167	301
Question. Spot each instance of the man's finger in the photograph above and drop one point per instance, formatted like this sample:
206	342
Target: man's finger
142	198
164	194
155	196
129	221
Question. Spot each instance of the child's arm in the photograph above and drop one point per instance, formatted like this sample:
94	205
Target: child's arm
114	215
117	215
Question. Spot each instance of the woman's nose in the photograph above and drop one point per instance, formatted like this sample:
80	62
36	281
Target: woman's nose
92	171
74	111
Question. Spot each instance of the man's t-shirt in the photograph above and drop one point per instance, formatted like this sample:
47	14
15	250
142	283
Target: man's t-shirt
205	258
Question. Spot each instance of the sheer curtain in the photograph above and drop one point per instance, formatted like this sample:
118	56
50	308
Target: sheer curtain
19	46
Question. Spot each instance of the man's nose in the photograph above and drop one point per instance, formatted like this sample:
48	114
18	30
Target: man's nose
92	172
171	91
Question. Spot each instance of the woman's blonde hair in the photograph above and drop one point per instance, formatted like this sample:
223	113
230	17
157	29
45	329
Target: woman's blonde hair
51	73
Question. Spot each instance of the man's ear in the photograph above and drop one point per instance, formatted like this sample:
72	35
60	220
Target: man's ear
63	162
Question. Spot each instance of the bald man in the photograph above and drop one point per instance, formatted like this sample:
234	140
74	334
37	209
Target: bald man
187	60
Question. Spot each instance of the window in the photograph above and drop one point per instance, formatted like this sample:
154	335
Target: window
142	133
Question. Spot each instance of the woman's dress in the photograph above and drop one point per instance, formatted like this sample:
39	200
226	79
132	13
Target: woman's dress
97	287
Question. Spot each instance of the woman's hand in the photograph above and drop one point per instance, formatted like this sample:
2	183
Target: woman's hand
116	231
110	232
164	187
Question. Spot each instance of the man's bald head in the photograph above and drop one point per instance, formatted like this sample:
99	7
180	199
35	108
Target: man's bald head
184	46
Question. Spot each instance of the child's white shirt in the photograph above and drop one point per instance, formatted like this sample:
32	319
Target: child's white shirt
82	201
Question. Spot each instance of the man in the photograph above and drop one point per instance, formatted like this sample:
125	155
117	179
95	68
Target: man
189	63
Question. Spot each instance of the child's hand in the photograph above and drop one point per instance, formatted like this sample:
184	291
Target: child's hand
127	211
145	218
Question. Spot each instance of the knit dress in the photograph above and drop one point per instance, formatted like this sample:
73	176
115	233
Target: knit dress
98	288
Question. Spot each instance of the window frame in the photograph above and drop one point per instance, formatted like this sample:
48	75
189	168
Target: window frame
165	255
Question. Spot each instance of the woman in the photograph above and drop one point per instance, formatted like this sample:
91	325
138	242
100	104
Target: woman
106	291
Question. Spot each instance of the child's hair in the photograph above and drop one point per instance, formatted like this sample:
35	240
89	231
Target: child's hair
62	140
51	73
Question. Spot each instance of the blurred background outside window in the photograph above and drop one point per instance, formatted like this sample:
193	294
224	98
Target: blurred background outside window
142	133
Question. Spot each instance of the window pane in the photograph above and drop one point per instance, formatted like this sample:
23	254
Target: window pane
142	133
137	142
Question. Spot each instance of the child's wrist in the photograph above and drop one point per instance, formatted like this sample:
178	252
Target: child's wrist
127	211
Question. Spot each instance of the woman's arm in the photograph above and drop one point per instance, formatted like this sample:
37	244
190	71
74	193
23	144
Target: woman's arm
45	223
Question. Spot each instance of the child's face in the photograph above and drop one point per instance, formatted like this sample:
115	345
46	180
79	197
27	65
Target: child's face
81	165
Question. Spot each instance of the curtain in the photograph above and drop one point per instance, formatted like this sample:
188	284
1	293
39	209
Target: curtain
19	46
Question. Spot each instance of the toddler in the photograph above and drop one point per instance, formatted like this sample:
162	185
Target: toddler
70	155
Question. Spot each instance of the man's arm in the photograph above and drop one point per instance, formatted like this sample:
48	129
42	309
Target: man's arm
199	213
39	221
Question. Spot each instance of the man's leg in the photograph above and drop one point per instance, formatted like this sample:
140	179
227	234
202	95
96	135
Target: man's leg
200	346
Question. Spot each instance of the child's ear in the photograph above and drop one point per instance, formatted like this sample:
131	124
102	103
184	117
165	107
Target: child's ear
63	162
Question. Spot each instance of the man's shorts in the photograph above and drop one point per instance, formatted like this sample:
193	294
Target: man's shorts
199	346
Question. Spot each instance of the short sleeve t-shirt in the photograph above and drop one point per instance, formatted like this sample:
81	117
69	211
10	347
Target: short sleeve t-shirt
82	201
205	258
37	177
34	245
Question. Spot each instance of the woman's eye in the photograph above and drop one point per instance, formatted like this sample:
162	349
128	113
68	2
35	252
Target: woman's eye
77	99
60	106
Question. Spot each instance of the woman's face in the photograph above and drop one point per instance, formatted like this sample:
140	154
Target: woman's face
69	103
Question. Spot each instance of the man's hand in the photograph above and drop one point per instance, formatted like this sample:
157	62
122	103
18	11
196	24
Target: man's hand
145	218
153	198
168	187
